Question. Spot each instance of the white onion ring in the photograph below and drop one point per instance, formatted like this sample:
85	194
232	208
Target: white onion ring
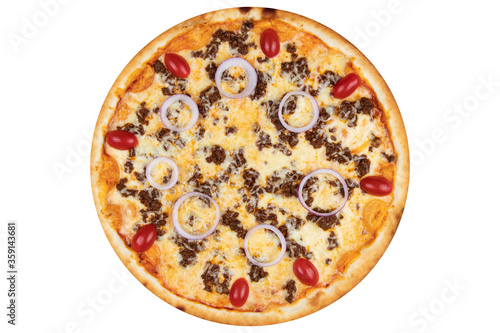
280	236
173	178
330	172
192	107
175	216
247	68
315	107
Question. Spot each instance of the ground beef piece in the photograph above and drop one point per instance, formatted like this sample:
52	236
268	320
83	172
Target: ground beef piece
311	91
257	273
200	132
149	198
291	48
272	109
332	241
162	133
197	54
140	176
308	190
286	186
231	130
347	112
124	191
251	183
375	142
142	115
262	215
290	105
324	222
282	148
131	152
284	230
295	250
389	158
189	249
194	245
158	219
351	185
324	115
253	201
205	188
128	167
188	257
362	165
291	289
335	152
295	222
260	60
217	155
211	69
328	78
239	158
159	67
260	89
251	178
246	27
174	139
224	178
134	129
230	219
316	137
196	177
264	141
243	49
289	137
207	99
167	90
364	106
296	70
211	279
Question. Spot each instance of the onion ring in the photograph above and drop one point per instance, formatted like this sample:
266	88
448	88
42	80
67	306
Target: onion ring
173	178
192	107
315	107
280	236
175	216
247	68
330	172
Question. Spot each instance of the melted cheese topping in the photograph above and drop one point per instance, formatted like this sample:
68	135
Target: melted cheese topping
331	249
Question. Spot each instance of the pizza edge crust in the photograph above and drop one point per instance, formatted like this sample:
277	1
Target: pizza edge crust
318	298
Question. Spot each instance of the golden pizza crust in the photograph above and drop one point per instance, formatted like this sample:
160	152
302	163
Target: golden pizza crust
357	264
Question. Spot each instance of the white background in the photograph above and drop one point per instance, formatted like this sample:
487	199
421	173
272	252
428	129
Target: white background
440	273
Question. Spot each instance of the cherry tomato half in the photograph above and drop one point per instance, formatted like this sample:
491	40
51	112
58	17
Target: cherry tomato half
239	292
376	185
177	65
144	238
306	272
270	43
346	86
121	140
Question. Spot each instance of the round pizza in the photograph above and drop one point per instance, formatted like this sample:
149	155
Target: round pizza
249	166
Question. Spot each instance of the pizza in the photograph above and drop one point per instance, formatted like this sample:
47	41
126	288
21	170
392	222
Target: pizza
249	166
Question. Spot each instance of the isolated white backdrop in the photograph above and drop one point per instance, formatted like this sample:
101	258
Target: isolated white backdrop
440	274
